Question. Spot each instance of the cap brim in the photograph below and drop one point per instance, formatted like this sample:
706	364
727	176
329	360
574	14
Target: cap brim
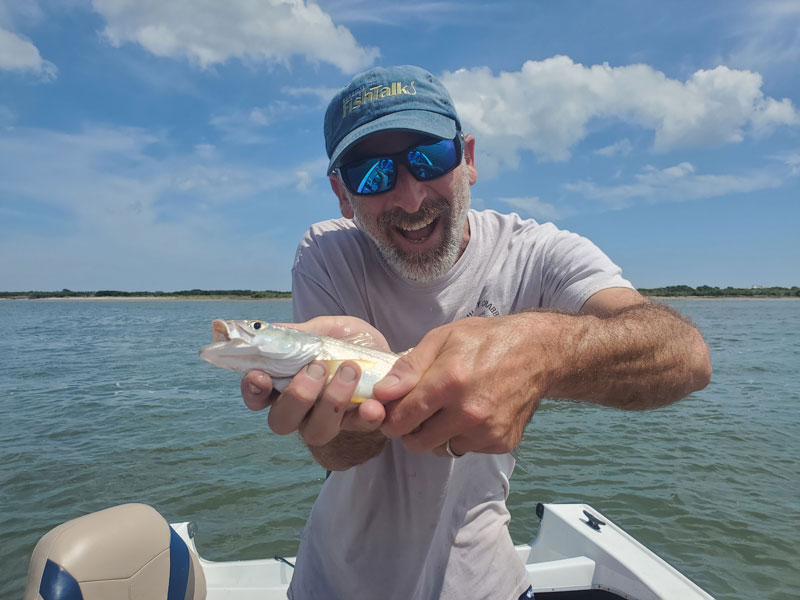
422	121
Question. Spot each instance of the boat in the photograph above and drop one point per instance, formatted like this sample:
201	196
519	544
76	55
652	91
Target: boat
129	551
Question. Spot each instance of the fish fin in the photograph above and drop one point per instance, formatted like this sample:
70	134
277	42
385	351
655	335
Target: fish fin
361	339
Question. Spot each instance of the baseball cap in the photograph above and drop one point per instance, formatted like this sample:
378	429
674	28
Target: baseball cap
404	97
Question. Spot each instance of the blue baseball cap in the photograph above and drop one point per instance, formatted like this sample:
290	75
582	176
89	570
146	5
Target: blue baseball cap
406	98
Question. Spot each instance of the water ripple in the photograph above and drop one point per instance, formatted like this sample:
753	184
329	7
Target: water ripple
112	410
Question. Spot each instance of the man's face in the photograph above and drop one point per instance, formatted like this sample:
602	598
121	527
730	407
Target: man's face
419	227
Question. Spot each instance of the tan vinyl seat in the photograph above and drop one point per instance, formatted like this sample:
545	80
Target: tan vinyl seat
126	552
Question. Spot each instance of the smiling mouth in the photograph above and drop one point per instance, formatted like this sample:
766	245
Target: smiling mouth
418	232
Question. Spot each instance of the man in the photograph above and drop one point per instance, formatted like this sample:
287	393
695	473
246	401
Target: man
500	312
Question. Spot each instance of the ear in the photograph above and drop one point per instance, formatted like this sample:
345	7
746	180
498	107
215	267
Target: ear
341	193
469	158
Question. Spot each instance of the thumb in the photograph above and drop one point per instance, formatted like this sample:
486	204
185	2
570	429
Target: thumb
407	371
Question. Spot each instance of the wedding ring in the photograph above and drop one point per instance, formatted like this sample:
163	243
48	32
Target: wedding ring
450	452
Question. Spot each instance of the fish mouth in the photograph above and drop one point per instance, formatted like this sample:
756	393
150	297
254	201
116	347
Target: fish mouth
221	329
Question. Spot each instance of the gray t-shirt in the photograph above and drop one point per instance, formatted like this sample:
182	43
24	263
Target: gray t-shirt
417	526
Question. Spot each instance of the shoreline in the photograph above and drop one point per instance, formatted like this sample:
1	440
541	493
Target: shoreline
149	298
724	297
246	298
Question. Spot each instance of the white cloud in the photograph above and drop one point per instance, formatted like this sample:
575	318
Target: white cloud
323	94
791	160
211	33
307	172
248	126
546	106
620	148
677	183
243	127
429	12
17	54
534	207
205	151
129	212
766	35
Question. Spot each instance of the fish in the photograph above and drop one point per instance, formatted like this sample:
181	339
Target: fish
281	352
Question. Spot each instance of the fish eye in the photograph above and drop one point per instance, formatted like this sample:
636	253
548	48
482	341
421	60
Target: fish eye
257	325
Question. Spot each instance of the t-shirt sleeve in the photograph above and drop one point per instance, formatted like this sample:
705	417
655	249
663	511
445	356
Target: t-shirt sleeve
310	298
312	289
574	270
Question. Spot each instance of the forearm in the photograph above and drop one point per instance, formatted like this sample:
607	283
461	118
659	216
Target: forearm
348	449
638	357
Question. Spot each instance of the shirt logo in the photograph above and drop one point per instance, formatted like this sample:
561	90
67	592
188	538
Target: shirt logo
362	96
483	308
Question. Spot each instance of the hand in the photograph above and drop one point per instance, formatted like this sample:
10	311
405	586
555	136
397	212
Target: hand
318	411
475	382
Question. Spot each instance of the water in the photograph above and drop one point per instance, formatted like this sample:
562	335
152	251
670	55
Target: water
107	402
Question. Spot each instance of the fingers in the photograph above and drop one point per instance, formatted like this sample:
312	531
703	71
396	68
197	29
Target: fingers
407	381
256	390
368	417
325	420
291	407
434	433
455	444
319	409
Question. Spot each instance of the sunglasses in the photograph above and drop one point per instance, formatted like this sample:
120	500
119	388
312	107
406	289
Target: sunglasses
378	174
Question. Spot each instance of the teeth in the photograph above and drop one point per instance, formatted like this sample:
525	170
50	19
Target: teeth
418	226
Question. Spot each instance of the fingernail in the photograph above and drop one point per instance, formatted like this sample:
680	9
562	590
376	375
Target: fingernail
389	381
347	374
254	389
315	371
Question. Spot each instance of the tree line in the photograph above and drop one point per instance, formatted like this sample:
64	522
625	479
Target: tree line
195	293
705	291
731	292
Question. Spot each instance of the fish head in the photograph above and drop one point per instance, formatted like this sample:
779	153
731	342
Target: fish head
233	331
246	346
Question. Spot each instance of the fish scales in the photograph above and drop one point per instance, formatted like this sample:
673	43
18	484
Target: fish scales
281	352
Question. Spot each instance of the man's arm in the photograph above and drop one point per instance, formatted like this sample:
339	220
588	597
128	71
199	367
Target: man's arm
477	382
632	354
348	449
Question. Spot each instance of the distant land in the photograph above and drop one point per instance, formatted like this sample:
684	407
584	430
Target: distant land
703	291
189	294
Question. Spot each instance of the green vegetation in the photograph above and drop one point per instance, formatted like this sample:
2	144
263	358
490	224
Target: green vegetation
206	294
706	291
703	291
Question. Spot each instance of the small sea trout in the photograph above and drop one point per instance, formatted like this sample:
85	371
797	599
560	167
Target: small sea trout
280	352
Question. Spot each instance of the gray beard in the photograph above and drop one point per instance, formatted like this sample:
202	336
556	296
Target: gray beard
427	266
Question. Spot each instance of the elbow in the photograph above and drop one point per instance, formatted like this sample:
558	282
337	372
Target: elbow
703	376
700	366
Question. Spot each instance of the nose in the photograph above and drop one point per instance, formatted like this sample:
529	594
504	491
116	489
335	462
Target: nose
408	193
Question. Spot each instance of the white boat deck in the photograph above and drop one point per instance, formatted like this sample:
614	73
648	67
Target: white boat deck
567	555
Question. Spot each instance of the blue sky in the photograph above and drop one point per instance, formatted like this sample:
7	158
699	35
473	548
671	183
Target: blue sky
150	145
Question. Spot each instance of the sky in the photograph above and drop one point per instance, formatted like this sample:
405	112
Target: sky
150	145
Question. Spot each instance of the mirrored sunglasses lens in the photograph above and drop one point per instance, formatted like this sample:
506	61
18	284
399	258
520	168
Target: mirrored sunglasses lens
433	160
372	176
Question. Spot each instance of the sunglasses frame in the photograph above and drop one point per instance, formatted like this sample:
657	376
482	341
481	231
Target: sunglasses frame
402	158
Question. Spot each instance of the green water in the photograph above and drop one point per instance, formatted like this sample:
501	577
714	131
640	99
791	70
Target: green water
107	402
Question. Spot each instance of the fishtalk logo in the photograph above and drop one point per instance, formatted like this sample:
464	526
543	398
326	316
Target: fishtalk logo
364	95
